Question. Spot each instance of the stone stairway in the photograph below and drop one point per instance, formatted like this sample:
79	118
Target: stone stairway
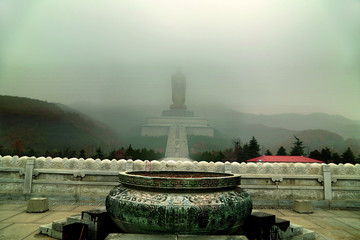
91	225
262	226
177	146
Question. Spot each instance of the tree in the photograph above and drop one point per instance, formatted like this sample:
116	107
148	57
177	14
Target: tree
47	153
18	147
112	155
237	149
297	148
82	154
99	153
245	155
348	156
129	154
56	153
69	153
31	152
120	154
214	156
254	148
281	151
2	150
229	155
268	152
315	154
336	158
326	154
220	156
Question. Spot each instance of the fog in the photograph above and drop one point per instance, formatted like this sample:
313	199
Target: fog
253	56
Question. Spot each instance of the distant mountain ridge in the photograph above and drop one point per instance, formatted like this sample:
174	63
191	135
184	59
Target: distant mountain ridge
44	125
317	129
296	122
47	126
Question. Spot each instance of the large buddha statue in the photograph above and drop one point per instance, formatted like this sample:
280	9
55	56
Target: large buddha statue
178	84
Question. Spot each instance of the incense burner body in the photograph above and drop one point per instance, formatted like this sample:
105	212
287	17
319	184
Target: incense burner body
178	202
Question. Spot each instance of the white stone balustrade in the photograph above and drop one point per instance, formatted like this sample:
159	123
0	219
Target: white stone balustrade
91	179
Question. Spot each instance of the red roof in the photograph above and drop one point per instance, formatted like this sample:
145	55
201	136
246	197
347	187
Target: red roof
288	159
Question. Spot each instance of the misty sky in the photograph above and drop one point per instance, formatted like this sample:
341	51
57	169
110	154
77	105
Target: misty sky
255	56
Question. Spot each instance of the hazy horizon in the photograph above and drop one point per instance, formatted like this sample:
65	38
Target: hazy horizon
264	57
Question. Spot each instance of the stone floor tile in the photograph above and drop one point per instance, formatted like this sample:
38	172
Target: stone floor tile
328	222
289	212
336	234
319	237
53	216
25	217
62	208
343	213
8	214
18	230
353	222
128	236
211	237
12	207
302	222
357	212
37	235
271	211
354	232
84	208
4	225
320	212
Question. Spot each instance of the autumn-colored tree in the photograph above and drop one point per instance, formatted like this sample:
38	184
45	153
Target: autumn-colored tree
18	147
120	154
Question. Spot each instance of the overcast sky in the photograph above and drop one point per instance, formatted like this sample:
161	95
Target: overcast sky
256	56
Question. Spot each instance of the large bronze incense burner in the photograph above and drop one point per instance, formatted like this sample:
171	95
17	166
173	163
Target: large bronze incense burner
178	202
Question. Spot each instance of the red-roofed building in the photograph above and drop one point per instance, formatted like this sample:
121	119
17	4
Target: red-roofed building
284	159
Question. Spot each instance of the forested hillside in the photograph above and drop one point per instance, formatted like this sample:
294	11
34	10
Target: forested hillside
33	125
38	125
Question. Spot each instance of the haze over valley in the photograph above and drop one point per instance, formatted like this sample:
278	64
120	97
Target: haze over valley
317	129
47	126
269	69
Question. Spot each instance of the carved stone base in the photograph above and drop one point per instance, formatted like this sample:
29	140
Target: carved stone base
178	113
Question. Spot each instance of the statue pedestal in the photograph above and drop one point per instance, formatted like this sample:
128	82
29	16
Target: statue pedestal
177	113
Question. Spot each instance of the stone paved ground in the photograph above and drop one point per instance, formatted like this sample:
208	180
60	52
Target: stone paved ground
327	223
15	223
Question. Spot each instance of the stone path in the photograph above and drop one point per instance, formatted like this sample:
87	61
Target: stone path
177	146
15	223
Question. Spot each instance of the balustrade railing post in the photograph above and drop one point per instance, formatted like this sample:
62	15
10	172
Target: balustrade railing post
227	167
29	168
327	182
129	165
